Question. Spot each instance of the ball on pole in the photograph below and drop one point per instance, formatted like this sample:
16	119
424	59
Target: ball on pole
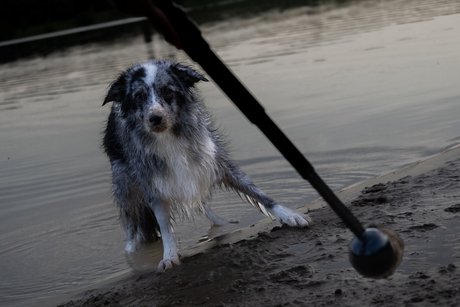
377	253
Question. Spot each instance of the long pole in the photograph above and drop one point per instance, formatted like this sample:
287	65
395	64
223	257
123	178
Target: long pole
199	50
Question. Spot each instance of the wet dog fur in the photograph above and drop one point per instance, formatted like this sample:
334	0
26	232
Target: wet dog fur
166	156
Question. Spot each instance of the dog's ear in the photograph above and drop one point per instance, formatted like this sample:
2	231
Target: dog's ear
188	75
117	91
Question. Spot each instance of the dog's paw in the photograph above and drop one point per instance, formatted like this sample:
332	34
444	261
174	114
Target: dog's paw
130	246
168	263
290	217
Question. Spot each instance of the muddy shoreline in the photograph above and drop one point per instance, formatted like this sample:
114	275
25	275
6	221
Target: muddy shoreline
293	267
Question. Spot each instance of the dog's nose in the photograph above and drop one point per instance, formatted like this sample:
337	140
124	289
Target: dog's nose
155	119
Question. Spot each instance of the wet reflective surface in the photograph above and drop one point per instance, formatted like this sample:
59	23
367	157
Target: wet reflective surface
361	89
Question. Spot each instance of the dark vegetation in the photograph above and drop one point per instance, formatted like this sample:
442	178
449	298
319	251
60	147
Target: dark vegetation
22	18
26	18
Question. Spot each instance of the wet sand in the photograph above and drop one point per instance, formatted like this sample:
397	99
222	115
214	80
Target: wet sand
282	266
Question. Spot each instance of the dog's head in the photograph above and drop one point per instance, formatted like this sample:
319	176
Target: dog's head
155	93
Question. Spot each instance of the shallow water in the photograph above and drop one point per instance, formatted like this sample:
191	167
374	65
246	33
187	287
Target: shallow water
360	89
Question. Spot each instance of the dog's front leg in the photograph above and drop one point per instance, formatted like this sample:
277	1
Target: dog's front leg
171	256
237	180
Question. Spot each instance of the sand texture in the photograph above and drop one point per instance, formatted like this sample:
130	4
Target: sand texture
294	267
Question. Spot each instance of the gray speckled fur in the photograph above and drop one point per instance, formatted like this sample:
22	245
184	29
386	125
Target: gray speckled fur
170	165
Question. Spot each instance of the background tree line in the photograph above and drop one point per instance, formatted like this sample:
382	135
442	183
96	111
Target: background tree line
22	18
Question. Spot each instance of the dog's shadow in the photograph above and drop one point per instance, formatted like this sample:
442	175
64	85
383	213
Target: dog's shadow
217	231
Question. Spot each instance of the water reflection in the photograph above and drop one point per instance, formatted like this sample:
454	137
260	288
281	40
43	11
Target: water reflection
346	84
145	258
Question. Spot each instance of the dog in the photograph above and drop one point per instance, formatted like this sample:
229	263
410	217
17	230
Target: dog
167	157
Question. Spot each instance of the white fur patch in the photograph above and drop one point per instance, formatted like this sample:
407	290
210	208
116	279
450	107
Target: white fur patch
130	246
187	183
150	74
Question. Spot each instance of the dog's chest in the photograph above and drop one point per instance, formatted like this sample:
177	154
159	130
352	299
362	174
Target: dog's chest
190	170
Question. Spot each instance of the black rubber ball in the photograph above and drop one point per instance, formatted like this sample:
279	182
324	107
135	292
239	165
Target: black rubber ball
377	253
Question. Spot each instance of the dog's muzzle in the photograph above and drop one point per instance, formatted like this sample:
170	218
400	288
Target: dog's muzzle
157	123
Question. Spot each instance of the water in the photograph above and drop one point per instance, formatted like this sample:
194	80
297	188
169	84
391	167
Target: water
361	89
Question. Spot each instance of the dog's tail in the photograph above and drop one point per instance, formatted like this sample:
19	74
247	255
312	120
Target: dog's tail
147	225
140	221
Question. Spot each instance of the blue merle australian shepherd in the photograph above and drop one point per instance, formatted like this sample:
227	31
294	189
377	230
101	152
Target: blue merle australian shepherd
166	156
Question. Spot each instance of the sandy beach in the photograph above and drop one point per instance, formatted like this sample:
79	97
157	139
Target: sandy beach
282	266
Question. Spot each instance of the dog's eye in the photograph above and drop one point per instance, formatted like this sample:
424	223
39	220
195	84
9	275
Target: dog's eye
168	95
139	96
